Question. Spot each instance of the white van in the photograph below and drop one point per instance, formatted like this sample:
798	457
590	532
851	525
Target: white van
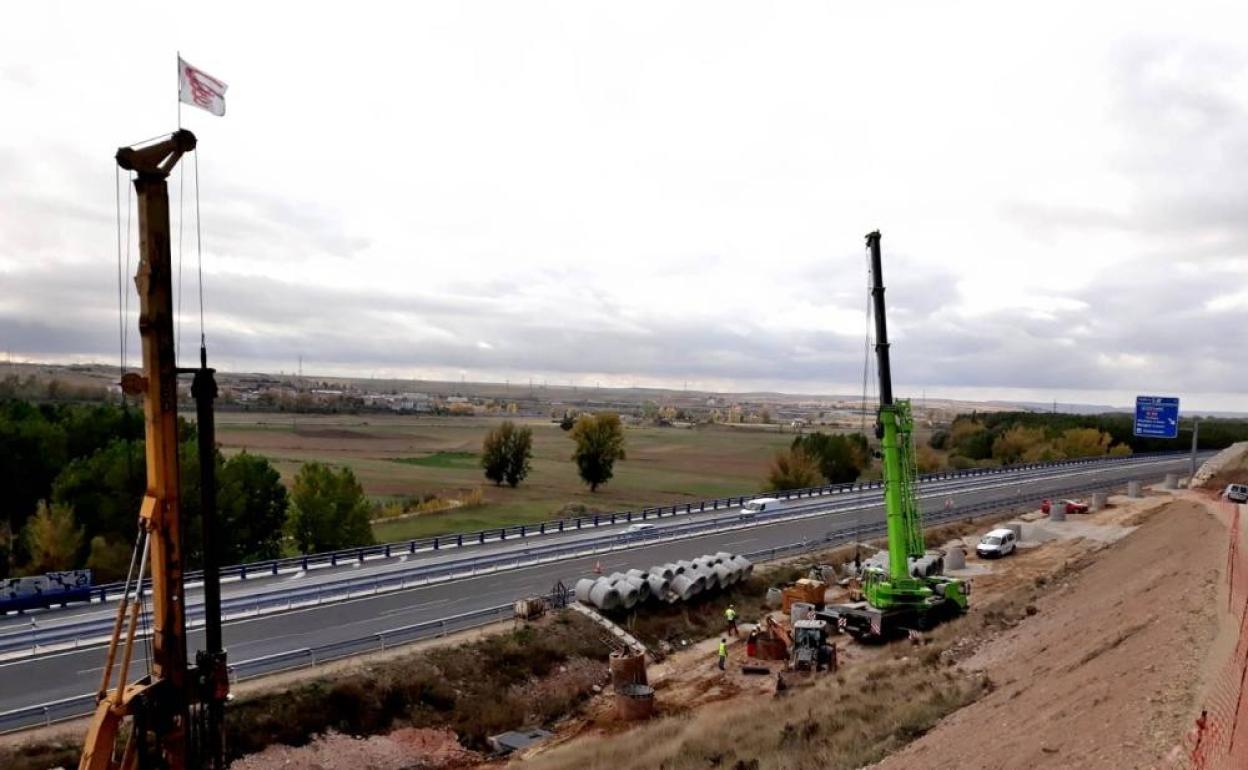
637	529
998	542
1236	492
760	504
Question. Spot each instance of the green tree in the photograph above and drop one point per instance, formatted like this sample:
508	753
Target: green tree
838	456
252	504
792	469
53	539
105	489
519	455
494	452
329	510
599	443
1014	444
108	559
1083	442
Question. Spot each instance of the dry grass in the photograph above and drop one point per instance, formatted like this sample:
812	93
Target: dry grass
845	721
533	674
480	689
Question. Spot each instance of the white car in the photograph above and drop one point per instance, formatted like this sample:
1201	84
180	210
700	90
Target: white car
636	529
1236	492
760	504
998	542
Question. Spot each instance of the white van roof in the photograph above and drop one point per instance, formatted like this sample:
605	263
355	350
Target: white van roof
764	500
1001	532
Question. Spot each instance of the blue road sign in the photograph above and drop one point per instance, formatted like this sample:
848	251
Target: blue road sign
1156	416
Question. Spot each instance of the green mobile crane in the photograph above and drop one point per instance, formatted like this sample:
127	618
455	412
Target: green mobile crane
911	594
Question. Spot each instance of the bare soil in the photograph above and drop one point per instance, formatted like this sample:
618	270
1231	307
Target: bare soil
1106	674
1085	649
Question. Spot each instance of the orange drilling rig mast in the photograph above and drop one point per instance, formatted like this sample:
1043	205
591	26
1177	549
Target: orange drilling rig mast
161	732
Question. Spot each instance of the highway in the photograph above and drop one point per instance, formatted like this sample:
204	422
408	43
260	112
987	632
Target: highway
54	676
42	629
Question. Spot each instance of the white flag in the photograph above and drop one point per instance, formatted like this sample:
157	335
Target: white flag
200	89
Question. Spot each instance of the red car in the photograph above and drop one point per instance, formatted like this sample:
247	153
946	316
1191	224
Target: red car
1072	506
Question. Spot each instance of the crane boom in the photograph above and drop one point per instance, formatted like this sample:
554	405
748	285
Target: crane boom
897	599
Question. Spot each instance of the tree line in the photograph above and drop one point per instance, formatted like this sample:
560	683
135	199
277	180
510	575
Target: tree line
74	476
1006	438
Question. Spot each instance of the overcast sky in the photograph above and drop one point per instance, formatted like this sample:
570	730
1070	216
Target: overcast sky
655	193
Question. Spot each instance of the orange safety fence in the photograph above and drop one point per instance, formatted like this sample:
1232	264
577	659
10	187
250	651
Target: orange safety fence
1218	740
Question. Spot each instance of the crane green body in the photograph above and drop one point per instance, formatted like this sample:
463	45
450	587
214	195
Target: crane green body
908	598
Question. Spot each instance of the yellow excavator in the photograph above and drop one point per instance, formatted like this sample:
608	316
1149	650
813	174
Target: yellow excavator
171	718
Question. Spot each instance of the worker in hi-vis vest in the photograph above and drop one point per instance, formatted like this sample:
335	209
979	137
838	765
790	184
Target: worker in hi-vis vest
730	615
723	654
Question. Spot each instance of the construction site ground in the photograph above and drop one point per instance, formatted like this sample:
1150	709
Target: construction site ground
1104	669
1100	665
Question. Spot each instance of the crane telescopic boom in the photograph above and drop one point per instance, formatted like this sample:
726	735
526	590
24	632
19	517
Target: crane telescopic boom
903	595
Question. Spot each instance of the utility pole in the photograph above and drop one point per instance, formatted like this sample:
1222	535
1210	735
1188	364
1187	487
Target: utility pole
1191	478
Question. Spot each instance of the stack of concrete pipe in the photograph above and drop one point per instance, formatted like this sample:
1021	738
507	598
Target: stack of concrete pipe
673	582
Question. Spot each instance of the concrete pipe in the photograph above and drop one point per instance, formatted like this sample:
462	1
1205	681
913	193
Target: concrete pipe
666	571
709	575
641	585
1134	489
634	702
725	575
629	595
684	566
636	573
955	557
722	557
1057	512
1099	500
583	587
699	580
745	565
627	667
604	595
658	585
684	587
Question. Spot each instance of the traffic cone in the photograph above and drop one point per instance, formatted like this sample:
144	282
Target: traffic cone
597	568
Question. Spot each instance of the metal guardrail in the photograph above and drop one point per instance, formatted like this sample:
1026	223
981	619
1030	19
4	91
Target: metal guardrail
459	540
92	631
71	708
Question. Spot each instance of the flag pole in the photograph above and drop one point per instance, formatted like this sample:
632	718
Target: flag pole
178	92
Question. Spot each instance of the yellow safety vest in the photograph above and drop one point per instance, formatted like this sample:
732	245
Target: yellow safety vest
730	613
723	650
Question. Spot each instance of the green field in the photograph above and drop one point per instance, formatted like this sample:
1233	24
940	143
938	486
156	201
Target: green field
400	457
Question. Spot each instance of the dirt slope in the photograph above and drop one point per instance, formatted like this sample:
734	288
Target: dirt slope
1105	674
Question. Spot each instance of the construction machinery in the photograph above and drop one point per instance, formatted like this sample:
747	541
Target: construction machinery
810	651
170	718
908	593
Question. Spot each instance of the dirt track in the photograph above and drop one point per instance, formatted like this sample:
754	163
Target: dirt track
1105	675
